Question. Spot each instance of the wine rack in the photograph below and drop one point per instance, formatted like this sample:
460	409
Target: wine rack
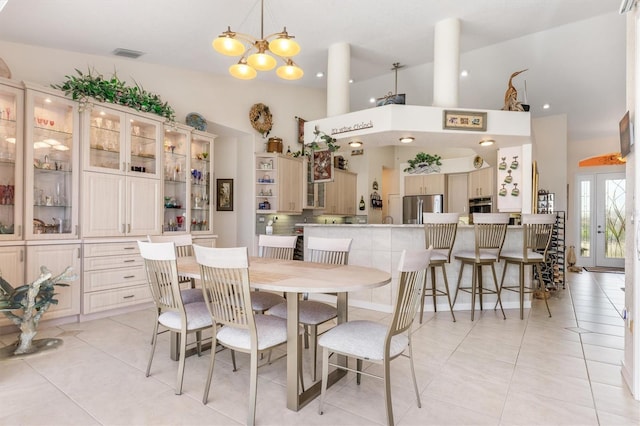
554	269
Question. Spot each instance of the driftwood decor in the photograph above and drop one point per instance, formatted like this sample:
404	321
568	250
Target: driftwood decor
26	304
511	95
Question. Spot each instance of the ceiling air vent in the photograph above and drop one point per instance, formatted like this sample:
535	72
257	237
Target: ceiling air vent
128	53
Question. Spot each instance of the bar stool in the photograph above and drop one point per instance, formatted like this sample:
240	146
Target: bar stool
490	230
536	236
440	232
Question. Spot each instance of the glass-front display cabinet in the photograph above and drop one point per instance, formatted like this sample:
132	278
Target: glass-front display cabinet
201	179
121	143
51	159
176	174
11	152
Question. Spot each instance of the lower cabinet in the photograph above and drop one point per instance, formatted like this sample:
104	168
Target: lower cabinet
56	257
113	277
11	270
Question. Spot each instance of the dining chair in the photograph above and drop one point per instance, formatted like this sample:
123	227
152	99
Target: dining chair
313	313
536	237
171	312
183	246
225	282
439	232
490	230
375	342
272	247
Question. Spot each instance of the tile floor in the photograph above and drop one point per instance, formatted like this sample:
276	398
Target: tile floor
539	371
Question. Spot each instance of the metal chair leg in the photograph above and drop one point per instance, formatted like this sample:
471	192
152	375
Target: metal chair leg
207	386
183	355
495	282
325	378
446	287
253	388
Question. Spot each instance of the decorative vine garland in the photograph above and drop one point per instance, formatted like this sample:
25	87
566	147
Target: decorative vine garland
261	119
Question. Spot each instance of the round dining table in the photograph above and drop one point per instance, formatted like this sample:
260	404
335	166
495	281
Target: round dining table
294	277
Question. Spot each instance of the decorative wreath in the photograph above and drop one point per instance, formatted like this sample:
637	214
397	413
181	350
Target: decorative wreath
261	119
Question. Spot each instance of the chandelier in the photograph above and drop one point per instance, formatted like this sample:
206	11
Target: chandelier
254	56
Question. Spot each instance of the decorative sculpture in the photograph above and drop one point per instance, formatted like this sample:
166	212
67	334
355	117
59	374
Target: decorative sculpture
511	95
33	300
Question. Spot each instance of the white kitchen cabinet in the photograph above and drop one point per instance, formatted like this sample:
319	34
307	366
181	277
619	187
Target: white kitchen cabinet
119	206
11	160
481	183
424	184
340	195
12	260
279	181
113	277
457	193
56	257
121	183
52	156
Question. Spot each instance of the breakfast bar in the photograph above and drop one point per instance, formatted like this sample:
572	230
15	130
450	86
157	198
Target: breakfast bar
380	245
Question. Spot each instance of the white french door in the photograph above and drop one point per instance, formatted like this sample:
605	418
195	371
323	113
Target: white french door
601	205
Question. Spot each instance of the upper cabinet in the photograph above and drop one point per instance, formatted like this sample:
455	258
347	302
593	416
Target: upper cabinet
314	193
11	159
340	197
51	165
121	172
122	143
481	183
187	180
279	181
430	184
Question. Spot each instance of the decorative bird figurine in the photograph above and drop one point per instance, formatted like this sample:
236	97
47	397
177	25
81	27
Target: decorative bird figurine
511	96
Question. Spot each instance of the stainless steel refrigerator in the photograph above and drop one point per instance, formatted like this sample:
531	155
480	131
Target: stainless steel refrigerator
414	205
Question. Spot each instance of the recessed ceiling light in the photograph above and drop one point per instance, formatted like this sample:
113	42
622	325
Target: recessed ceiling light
355	144
319	74
350	80
407	139
546	106
486	142
464	73
372	100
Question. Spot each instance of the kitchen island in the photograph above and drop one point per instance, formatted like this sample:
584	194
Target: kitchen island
379	246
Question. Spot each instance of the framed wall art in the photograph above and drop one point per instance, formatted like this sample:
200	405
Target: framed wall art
224	195
322	165
464	120
301	122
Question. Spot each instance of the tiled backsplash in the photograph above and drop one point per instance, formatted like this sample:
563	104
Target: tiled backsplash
284	224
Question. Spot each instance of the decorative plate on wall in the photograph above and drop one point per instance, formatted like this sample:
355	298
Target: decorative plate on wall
196	121
478	162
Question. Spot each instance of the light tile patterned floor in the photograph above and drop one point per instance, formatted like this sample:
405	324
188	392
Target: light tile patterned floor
539	371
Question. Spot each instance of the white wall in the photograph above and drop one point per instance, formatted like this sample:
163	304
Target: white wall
550	151
220	99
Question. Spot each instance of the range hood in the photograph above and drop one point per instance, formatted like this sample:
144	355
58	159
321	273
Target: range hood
385	125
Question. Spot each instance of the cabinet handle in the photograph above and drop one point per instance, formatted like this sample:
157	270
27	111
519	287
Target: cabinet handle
123	229
126	277
131	296
128	228
129	248
124	166
129	261
76	230
19	230
21	256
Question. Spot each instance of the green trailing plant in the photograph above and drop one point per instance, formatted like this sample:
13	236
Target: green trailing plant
322	137
424	161
84	86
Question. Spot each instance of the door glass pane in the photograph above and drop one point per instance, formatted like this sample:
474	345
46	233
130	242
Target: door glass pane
8	136
585	218
200	184
143	147
104	136
52	169
175	180
614	218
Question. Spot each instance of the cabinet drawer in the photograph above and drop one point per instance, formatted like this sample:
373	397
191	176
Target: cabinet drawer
110	299
124	277
110	249
109	262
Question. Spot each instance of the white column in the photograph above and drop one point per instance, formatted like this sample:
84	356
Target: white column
446	62
338	74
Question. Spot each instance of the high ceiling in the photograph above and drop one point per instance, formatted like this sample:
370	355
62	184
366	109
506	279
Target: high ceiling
380	32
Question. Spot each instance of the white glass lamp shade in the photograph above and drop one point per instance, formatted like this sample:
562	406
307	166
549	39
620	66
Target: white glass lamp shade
290	71
261	61
228	45
284	46
242	71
